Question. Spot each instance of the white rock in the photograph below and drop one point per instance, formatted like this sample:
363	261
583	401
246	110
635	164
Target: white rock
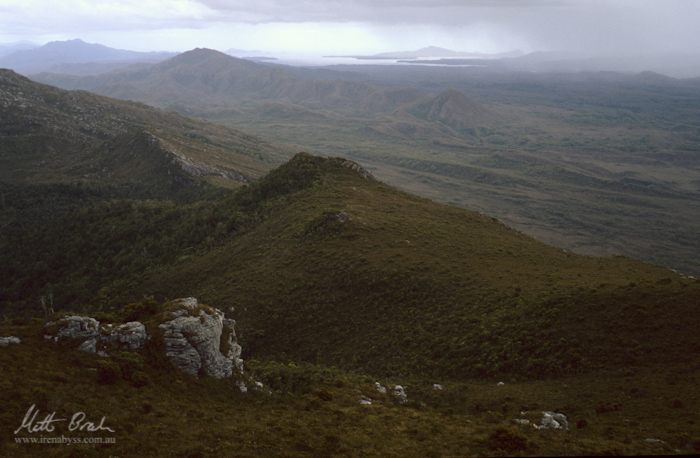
553	420
365	402
242	386
204	343
73	328
500	384
437	387
89	346
380	388
92	337
521	421
127	336
400	394
9	340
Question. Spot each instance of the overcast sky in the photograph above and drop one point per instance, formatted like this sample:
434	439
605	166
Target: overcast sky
361	26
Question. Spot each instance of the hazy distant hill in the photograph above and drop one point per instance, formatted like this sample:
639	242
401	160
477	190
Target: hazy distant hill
437	52
454	109
9	48
204	81
56	53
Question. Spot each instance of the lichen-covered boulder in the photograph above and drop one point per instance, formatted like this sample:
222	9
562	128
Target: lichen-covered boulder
199	340
553	420
72	328
89	336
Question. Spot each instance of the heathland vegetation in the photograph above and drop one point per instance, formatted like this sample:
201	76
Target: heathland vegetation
336	280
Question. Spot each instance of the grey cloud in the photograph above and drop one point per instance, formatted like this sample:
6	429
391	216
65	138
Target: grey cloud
583	25
375	11
593	26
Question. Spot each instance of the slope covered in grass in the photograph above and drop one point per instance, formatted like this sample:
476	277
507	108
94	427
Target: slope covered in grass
315	411
48	135
322	263
341	269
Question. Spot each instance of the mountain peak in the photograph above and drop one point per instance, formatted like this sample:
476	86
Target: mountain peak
435	49
74	43
199	55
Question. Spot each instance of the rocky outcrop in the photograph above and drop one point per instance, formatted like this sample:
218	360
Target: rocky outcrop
9	340
72	329
199	340
90	336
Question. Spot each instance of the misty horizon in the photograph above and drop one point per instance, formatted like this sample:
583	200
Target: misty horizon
590	28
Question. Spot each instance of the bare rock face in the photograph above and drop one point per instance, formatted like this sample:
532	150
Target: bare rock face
199	340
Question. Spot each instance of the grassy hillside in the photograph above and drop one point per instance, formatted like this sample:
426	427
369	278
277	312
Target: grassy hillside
327	265
315	411
408	286
50	135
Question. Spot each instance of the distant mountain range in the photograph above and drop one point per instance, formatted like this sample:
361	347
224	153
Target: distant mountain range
60	53
257	56
437	52
207	83
9	48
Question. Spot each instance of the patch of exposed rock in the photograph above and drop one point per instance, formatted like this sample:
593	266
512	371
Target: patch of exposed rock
381	389
199	340
9	340
553	420
88	335
355	167
400	394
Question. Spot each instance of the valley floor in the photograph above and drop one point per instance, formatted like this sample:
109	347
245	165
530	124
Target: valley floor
315	411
